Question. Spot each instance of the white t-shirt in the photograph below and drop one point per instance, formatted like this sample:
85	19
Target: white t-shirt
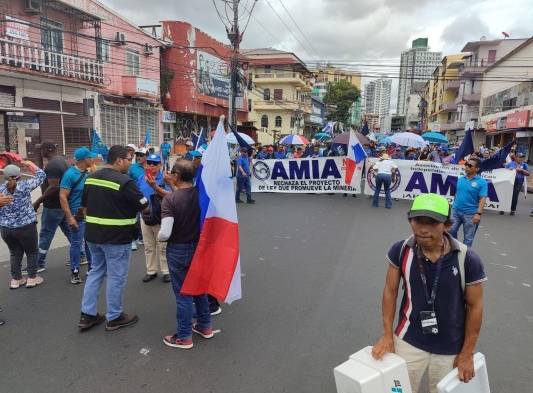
385	166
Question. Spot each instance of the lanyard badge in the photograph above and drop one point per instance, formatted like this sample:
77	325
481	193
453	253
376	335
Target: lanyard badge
428	319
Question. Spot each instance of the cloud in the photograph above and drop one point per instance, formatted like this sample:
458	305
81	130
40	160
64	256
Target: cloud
464	29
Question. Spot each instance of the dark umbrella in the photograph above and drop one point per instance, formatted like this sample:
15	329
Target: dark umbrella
344	138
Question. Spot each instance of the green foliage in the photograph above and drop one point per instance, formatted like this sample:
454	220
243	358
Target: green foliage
340	97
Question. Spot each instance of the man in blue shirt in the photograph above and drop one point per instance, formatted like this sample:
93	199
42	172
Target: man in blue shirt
243	177
522	170
137	169
470	196
153	187
442	305
165	154
281	154
262	154
70	193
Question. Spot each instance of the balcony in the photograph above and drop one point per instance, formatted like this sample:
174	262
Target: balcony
472	70
453	126
448	107
282	105
472	98
283	77
452	85
34	59
135	86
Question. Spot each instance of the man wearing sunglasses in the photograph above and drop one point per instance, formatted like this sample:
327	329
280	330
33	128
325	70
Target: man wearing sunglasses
470	196
154	188
18	222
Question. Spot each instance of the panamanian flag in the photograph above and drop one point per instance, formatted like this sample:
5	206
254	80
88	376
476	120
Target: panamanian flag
356	155
215	268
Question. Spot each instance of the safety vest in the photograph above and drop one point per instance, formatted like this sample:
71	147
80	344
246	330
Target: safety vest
112	200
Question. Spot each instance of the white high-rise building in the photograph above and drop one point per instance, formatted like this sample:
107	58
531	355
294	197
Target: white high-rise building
417	64
377	97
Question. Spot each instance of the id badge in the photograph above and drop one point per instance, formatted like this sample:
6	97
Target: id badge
428	320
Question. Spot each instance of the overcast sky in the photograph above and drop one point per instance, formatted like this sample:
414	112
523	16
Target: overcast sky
366	32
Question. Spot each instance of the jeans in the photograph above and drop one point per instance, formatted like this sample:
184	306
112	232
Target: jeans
469	228
111	261
518	186
21	241
179	257
385	180
77	244
50	220
243	183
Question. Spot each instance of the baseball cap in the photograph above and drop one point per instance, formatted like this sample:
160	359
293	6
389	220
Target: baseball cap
430	205
11	171
189	143
82	153
131	146
520	155
141	150
153	158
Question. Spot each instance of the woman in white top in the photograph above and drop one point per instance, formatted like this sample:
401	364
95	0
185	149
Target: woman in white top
385	170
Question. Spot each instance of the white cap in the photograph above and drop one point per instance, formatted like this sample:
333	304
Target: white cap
142	150
132	146
189	143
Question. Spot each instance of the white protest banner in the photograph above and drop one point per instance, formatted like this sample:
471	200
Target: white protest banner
419	177
303	175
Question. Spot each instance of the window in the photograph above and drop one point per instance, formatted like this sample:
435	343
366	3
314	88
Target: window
278	121
268	69
492	56
278	94
266	94
264	121
249	105
105	51
52	35
293	121
132	62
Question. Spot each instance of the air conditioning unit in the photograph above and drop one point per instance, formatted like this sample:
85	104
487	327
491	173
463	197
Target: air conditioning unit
148	49
33	6
120	38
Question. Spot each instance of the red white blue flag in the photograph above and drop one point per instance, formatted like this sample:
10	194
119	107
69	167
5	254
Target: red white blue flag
356	155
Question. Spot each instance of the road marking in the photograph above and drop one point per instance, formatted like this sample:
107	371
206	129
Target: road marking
508	266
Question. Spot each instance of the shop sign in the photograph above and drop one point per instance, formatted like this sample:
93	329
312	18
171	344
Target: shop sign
517	120
169	117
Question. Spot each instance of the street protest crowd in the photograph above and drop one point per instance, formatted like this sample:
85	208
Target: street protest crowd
107	211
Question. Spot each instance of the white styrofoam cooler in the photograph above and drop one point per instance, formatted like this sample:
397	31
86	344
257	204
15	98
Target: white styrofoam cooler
363	374
479	384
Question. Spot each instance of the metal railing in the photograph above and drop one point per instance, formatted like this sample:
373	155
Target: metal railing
35	58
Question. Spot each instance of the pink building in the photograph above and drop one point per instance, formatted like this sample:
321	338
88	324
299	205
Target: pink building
67	66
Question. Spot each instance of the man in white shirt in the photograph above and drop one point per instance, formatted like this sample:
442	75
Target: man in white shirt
385	170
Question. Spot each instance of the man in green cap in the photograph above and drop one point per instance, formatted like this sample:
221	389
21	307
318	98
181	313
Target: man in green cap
442	305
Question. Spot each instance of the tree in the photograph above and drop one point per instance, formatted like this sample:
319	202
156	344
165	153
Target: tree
340	97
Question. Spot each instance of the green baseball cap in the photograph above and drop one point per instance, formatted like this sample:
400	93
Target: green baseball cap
430	205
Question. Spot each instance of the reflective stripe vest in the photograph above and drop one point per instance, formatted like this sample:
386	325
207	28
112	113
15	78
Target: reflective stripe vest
112	200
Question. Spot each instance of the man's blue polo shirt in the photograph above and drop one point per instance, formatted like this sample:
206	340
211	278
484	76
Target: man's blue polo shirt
519	175
468	194
449	303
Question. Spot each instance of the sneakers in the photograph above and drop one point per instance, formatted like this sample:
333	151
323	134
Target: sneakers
140	241
40	269
205	333
33	282
216	312
238	201
122	321
83	260
134	246
175	342
250	201
75	277
166	278
15	284
512	213
149	277
67	263
88	321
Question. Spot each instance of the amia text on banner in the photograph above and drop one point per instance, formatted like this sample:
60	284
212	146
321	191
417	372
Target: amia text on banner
420	177
304	175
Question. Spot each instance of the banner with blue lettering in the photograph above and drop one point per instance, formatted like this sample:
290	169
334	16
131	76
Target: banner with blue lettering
303	175
418	177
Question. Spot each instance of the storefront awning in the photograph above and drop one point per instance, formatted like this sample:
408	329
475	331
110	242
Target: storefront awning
32	110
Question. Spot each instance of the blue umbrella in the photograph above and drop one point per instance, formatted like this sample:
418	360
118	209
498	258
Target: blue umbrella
435	137
322	136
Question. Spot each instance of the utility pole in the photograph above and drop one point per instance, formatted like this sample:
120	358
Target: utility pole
234	36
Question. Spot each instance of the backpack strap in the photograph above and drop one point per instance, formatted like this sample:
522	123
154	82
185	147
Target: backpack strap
461	257
405	248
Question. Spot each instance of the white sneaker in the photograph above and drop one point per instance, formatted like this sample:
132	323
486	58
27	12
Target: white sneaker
140	241
134	246
17	283
33	282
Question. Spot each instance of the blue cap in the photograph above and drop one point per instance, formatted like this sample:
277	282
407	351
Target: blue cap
83	153
153	158
196	153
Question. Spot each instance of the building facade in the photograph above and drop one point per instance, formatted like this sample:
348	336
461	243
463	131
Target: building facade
356	114
59	61
280	97
507	105
416	65
377	97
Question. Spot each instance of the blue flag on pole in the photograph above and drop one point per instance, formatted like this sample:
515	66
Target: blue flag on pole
200	140
466	148
147	137
98	146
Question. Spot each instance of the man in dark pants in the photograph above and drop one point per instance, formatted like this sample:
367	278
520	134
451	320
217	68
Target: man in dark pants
522	171
243	177
180	227
52	216
385	170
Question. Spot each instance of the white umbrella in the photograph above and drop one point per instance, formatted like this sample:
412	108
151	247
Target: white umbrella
232	140
408	139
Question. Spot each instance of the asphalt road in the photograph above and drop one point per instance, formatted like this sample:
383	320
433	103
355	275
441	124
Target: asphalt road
313	270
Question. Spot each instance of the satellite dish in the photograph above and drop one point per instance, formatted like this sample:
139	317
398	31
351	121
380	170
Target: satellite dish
483	38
